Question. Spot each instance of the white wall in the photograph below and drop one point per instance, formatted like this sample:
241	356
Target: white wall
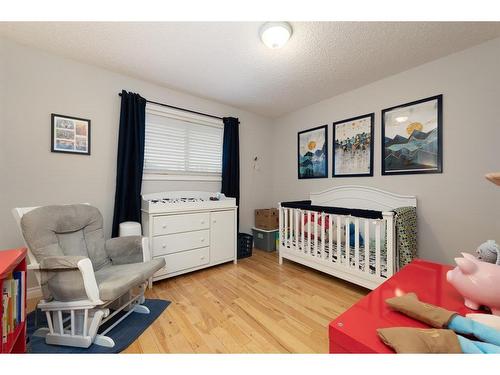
36	84
458	209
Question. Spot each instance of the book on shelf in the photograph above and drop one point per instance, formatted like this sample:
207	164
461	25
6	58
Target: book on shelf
20	276
13	307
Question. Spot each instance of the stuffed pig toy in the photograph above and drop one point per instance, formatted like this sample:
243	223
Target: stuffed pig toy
478	282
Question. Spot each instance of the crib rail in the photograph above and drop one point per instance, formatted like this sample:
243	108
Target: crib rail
358	249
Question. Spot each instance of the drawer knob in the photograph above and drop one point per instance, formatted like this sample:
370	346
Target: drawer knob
164	246
214	221
164	227
202	258
203	221
202	239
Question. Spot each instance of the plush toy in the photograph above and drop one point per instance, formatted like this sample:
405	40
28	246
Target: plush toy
489	252
477	282
451	333
326	227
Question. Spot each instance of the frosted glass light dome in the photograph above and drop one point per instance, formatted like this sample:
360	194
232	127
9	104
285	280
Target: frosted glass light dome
275	34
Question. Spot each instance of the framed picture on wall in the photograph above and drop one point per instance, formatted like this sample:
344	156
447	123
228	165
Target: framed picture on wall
412	137
70	134
353	147
312	153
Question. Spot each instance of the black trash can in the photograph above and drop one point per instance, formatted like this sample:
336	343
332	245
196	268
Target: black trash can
245	245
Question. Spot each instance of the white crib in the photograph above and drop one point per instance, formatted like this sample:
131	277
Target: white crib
323	240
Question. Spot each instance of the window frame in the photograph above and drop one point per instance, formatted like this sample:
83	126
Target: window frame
177	114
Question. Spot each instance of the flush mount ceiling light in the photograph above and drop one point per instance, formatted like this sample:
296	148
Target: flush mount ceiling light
275	34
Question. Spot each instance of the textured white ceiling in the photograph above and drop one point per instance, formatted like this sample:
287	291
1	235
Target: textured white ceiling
226	62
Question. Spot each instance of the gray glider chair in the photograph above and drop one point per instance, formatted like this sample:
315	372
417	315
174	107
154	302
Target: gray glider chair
85	279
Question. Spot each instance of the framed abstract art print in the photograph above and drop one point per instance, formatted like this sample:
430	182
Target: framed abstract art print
353	147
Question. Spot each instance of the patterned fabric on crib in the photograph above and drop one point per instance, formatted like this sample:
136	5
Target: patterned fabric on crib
406	227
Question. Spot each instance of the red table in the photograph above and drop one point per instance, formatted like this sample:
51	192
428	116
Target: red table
355	330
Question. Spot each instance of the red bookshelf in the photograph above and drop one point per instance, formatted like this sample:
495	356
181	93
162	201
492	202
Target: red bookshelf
12	261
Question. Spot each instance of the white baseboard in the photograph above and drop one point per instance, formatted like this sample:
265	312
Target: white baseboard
34	292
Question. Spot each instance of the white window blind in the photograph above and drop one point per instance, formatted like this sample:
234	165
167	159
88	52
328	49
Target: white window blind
181	143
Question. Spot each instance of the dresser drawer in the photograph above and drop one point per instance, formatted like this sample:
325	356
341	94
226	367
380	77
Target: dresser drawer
184	261
180	223
174	243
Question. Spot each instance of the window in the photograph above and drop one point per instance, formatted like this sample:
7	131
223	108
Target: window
181	143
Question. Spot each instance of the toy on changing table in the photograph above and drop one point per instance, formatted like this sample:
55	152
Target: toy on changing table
489	252
477	281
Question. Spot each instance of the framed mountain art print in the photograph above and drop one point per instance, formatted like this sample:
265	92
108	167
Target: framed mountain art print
412	137
312	153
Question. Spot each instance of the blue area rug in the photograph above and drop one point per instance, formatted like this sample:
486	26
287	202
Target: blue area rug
123	334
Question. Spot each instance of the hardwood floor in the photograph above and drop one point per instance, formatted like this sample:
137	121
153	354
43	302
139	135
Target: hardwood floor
256	306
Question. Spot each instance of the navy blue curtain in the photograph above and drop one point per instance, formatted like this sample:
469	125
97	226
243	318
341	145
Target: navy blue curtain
231	160
130	161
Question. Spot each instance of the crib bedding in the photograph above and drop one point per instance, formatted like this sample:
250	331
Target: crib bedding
406	234
352	254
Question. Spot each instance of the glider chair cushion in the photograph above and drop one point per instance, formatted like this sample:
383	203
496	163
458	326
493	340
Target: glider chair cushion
62	236
126	269
62	279
124	250
66	230
113	281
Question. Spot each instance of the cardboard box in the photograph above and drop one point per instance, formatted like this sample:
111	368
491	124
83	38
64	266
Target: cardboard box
267	218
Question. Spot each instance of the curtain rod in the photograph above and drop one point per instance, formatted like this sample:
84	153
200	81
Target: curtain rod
180	108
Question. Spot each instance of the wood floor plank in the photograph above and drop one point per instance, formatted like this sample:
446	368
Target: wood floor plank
256	306
283	335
